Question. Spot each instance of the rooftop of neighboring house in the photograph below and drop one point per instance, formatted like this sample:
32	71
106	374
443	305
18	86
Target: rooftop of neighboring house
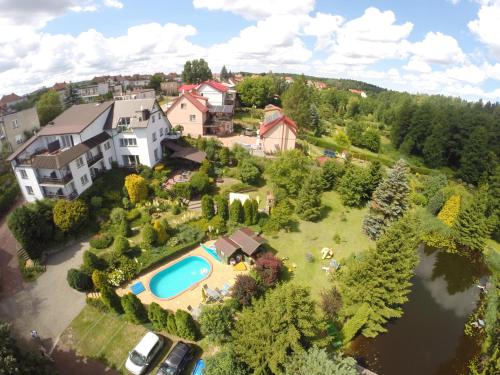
192	98
275	119
216	85
59	86
7	99
138	110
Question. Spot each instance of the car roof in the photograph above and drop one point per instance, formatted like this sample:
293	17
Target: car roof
175	357
146	344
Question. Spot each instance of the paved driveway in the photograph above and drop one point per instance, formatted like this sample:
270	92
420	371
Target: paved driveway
48	304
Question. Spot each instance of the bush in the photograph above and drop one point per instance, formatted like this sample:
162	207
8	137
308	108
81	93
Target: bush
97	303
199	182
111	299
248	172
133	214
158	317
236	214
216	323
221	203
185	326
121	245
96	202
101	241
99	279
148	236
331	172
354	324
137	188
69	216
122	228
217	225
117	215
92	262
330	303
244	289
79	280
450	210
268	268
225	362
161	232
207	207
134	309
171	325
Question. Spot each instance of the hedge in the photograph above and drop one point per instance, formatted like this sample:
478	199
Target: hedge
8	197
387	161
157	255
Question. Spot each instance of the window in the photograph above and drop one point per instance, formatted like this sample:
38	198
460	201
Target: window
183	105
154	136
19	139
79	162
159	116
130	160
23	174
152	118
128	142
124	121
84	179
14	124
110	160
29	190
161	132
66	141
192	118
107	146
156	154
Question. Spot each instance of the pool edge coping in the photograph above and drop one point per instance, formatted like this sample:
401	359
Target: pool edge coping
191	287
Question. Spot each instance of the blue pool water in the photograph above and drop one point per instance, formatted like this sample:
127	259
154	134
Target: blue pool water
212	252
180	276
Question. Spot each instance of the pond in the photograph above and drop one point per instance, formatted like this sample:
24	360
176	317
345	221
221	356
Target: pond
429	338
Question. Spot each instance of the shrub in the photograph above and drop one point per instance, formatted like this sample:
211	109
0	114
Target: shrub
117	215
97	303
216	323
268	268
330	303
199	182
244	289
92	262
225	362
217	225
185	326
354	324
137	188
158	316
133	214
69	216
171	325
207	207
79	280
248	172
126	203
435	203
236	212
331	172
161	232
96	202
222	207
122	228
121	245
148	236
111	299
450	210
99	279
134	309
101	241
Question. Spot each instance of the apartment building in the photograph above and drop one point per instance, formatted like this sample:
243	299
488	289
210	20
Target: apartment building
68	154
15	128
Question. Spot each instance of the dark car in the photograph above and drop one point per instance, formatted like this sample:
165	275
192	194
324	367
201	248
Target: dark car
177	359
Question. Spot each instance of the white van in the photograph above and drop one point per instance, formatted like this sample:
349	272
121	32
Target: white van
143	354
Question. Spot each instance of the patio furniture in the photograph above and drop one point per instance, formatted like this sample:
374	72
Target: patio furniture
226	290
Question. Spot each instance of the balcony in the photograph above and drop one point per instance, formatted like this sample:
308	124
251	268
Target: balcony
51	180
94	158
69	196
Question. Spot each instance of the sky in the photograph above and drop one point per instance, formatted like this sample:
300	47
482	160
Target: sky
449	47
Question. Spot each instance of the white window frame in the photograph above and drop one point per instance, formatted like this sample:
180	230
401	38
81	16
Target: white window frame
183	105
192	118
79	162
29	190
23	174
161	132
19	139
15	125
154	137
84	179
107	146
156	154
128	142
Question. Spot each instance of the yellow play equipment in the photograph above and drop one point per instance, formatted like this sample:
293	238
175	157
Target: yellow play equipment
326	253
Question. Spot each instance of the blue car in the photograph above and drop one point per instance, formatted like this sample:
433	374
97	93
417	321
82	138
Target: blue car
198	369
329	153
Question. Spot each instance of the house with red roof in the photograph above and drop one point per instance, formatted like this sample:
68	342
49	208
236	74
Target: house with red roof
10	100
218	94
277	132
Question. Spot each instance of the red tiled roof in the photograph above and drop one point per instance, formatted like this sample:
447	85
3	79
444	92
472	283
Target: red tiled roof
6	99
216	85
271	107
264	128
184	88
59	86
200	106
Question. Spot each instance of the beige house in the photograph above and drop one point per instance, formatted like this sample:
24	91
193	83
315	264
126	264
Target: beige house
17	127
277	132
190	111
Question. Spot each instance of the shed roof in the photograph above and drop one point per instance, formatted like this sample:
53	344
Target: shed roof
226	246
248	240
189	153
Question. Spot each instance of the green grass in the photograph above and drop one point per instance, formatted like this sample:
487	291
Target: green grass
312	237
109	338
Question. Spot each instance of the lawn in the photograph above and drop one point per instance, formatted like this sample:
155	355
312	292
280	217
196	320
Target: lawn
108	338
312	237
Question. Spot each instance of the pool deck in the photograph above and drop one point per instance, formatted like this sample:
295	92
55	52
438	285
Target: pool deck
221	274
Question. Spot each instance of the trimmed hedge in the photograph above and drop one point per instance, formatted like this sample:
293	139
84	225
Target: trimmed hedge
101	241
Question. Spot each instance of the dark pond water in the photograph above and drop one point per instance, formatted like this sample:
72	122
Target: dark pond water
428	339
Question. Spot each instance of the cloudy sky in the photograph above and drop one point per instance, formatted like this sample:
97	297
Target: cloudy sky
433	46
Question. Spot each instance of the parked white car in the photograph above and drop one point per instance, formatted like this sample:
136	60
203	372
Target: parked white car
143	354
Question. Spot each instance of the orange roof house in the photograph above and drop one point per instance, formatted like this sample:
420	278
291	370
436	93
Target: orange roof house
190	111
277	132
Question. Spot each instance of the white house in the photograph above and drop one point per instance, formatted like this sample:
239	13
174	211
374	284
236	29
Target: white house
91	92
215	92
69	153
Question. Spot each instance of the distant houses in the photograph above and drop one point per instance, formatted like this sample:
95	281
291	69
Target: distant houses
17	127
9	101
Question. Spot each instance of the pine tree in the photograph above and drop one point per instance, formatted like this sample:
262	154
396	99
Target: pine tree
309	200
236	212
472	228
382	278
255	211
207	207
248	212
296	100
314	120
390	201
222	207
72	96
224	75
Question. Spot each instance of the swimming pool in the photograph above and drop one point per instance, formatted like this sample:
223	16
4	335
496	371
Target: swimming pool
179	277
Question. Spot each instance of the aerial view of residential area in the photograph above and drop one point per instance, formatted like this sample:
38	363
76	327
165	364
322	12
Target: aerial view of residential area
237	187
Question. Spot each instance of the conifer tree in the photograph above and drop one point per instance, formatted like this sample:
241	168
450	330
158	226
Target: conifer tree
382	278
222	207
72	96
236	212
248	212
207	207
390	201
309	200
472	228
255	211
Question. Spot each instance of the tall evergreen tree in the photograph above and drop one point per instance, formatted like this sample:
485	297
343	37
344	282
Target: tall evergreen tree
72	96
236	212
381	279
224	75
475	158
309	199
222	207
390	201
207	207
472	227
296	100
314	121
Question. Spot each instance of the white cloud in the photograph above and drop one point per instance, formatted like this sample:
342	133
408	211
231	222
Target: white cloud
437	48
86	8
454	2
486	26
322	26
258	9
113	4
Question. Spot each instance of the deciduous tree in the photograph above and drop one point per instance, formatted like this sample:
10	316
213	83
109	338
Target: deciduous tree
48	107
